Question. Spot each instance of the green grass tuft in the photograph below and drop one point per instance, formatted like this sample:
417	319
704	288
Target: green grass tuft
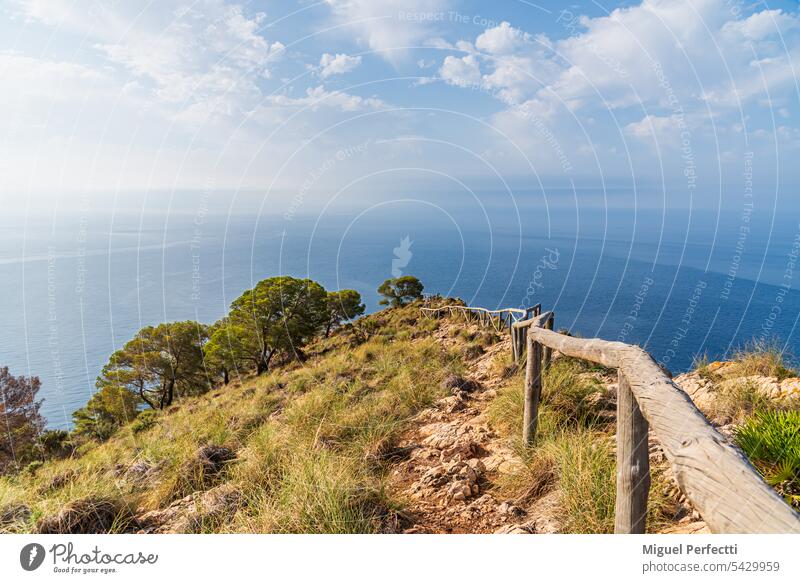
771	440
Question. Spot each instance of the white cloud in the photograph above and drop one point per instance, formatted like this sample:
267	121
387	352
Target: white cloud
337	64
56	80
390	27
502	39
462	72
208	56
653	127
646	56
763	24
317	97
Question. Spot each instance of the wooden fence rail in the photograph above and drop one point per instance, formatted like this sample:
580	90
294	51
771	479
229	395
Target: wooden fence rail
497	319
716	477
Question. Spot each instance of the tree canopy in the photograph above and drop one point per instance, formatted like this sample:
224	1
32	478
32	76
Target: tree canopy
22	422
400	290
232	348
159	363
107	410
169	360
281	314
343	305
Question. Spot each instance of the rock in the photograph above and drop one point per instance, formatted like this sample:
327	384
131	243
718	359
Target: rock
139	472
455	384
508	508
476	465
452	404
790	387
191	513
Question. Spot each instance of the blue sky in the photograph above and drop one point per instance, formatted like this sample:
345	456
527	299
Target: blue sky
311	100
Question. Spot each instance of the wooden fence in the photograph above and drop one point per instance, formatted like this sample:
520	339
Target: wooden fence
716	477
496	319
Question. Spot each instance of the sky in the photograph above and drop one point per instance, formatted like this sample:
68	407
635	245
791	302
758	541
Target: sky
314	100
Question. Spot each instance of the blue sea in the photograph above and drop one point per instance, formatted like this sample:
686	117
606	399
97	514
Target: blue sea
81	278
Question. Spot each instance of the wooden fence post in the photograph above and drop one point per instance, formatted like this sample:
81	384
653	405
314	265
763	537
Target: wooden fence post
548	352
633	463
533	390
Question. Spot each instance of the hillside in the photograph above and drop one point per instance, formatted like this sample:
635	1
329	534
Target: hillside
396	423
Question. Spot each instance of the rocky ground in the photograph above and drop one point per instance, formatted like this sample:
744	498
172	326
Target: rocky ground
455	458
449	477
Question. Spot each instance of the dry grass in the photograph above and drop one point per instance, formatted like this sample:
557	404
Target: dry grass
735	400
302	443
762	358
573	451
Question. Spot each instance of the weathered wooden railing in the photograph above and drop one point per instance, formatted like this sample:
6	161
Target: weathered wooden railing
497	319
716	477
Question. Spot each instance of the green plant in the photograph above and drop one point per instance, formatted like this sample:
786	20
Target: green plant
734	400
587	481
343	305
761	357
399	291
54	443
575	398
771	440
281	314
144	421
701	367
107	410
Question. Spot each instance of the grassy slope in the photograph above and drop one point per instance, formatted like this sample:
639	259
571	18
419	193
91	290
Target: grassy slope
306	440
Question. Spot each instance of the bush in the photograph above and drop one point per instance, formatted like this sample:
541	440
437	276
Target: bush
771	440
145	420
107	410
761	357
89	515
55	443
587	481
574	399
736	400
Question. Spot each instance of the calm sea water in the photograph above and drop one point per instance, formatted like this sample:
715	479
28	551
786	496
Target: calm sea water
79	283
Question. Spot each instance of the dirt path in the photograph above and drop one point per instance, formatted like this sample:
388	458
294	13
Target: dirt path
448	480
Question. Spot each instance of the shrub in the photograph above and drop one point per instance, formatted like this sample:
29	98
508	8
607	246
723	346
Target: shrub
771	440
89	515
107	410
587	481
472	351
736	400
761	357
145	420
574	399
54	443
